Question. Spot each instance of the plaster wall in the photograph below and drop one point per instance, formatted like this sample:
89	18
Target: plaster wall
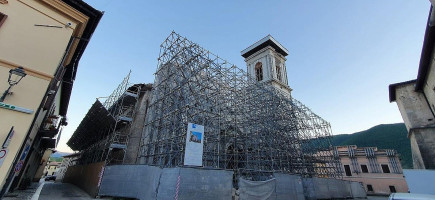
35	37
263	57
27	94
35	47
413	107
41	167
379	181
381	184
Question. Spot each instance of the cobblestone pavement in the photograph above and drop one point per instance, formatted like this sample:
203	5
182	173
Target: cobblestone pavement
50	191
55	191
24	194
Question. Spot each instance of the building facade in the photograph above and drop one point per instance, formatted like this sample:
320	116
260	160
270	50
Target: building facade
45	39
265	62
416	102
379	170
52	168
251	124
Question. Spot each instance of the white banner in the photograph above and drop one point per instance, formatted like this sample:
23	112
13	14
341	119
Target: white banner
194	145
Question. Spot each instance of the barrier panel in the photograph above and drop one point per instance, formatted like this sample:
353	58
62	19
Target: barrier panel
85	177
133	181
257	189
358	190
288	187
149	182
325	188
192	183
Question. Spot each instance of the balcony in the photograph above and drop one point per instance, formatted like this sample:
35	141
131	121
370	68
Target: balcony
48	143
50	127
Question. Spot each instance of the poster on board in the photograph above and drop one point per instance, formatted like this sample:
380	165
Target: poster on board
194	145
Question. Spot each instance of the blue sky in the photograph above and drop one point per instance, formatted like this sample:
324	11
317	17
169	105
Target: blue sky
343	54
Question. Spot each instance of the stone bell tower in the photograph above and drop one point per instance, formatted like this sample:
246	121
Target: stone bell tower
265	61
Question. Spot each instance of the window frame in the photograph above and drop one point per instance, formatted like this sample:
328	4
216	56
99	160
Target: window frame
2	18
347	170
258	71
370	188
364	169
385	170
278	73
392	189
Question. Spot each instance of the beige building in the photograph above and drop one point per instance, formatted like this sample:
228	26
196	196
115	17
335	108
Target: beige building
416	102
379	170
46	39
44	161
51	168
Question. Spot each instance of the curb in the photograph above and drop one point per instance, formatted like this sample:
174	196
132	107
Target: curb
38	192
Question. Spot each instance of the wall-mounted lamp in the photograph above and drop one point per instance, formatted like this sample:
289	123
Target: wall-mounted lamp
15	76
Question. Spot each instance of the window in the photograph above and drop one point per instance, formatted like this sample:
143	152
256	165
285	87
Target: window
364	169
259	71
369	188
278	73
2	18
347	170
392	189
385	169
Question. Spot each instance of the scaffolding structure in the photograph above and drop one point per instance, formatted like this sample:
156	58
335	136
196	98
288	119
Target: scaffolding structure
103	134
251	128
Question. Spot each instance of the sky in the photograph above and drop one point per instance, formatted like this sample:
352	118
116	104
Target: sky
342	54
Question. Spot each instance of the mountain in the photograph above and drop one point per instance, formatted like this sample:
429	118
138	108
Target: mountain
59	154
384	136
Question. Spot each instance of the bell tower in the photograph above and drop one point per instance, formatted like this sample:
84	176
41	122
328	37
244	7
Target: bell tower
265	61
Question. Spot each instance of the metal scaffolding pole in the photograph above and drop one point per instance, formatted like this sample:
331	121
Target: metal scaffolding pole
250	127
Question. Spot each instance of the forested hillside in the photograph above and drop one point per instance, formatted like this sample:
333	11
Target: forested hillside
384	136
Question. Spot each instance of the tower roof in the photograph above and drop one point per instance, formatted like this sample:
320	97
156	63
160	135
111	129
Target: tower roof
266	41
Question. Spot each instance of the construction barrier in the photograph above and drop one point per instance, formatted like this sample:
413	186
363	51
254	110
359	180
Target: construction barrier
132	181
283	186
86	177
326	188
149	182
192	183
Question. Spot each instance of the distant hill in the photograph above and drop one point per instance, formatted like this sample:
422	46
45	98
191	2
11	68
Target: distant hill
59	154
384	136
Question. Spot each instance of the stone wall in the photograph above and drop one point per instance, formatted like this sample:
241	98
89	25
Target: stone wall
423	147
416	112
413	107
137	126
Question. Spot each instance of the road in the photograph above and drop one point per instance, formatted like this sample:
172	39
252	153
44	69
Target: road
65	191
62	191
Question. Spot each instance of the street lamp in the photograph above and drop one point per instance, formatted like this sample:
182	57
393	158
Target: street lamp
15	76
